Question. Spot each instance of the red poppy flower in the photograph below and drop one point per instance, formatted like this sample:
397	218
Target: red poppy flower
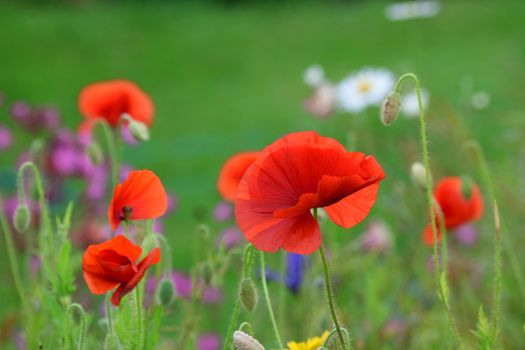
231	174
457	210
296	173
113	264
140	197
111	99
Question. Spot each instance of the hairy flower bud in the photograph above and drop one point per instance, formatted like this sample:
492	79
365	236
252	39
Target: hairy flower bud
112	342
139	130
390	108
244	341
94	152
207	273
248	294
22	218
165	293
418	175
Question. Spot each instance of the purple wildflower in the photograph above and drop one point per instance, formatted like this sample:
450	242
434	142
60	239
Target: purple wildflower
6	139
208	341
222	211
467	235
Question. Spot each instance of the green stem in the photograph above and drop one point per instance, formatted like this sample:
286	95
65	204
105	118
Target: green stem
247	264
112	149
497	273
268	301
330	296
46	229
108	315
82	332
282	288
509	248
138	305
13	262
430	206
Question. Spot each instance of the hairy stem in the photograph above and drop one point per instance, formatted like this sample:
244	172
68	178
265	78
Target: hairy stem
268	301
429	197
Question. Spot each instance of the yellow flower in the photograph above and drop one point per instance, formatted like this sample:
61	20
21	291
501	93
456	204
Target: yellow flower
310	344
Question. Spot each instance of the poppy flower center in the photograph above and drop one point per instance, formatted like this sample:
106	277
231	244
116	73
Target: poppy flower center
126	213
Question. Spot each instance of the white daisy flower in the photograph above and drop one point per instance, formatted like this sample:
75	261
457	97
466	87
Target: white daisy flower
413	9
314	76
410	105
368	87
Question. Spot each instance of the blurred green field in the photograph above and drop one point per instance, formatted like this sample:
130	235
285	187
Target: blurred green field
230	79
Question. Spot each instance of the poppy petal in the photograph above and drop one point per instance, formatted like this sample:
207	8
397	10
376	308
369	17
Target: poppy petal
232	172
152	258
351	210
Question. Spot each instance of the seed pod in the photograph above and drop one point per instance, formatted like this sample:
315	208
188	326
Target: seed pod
248	294
22	218
390	108
244	341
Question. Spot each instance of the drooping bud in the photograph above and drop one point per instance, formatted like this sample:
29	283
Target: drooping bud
418	175
139	130
112	342
466	186
390	108
165	293
244	341
246	328
248	294
22	218
94	152
207	273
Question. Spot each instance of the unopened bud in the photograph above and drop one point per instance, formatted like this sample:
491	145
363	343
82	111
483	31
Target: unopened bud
390	108
207	273
139	130
22	218
466	186
248	294
165	293
94	152
112	342
244	341
418	175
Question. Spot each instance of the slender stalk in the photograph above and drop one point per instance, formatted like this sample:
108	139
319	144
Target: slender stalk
13	262
282	288
330	296
509	248
268	301
138	305
82	332
497	273
112	149
46	230
108	315
430	205
247	264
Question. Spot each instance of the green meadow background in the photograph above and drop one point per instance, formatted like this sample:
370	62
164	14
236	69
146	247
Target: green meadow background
226	79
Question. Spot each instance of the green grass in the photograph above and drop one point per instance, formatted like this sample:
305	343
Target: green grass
228	80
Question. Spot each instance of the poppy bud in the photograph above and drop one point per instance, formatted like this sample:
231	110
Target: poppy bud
139	130
418	175
248	294
466	186
112	342
94	152
22	218
244	341
165	294
390	108
207	273
204	231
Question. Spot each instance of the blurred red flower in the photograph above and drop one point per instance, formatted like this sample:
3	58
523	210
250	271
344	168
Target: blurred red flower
457	210
231	174
296	173
111	99
140	197
112	264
